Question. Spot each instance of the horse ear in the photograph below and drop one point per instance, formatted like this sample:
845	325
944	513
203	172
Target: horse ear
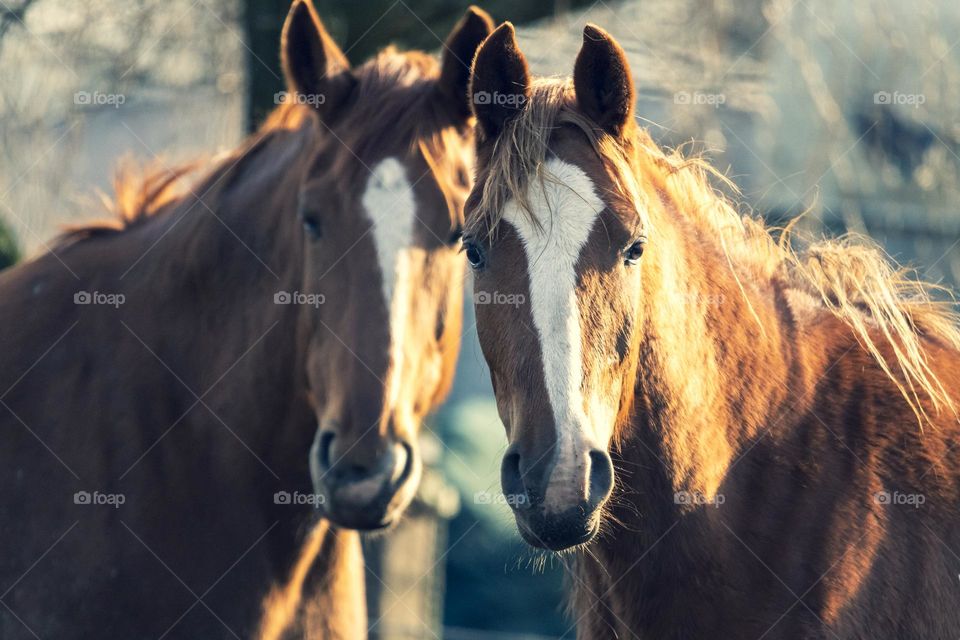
602	81
458	52
499	82
313	65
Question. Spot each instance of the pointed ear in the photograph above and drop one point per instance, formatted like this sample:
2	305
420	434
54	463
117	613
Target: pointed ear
458	52
499	82
602	81
313	65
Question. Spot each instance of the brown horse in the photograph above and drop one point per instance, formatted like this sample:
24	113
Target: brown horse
184	392
744	440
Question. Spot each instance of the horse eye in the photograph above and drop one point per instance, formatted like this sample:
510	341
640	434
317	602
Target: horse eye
634	251
474	254
311	225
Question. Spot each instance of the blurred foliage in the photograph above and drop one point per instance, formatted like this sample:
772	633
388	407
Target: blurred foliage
494	580
85	83
362	28
501	584
11	13
9	248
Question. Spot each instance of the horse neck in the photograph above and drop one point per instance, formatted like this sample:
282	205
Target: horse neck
714	365
216	259
714	368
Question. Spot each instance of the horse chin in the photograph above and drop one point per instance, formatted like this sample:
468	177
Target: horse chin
557	533
370	505
362	522
378	514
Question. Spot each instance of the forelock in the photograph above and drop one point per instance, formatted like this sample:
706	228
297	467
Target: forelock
517	157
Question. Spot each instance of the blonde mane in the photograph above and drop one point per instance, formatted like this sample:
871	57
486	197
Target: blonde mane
850	276
393	101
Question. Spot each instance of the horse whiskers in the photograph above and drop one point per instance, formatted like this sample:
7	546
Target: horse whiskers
536	561
636	463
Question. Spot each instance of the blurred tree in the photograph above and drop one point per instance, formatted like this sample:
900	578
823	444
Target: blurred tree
262	23
362	28
11	14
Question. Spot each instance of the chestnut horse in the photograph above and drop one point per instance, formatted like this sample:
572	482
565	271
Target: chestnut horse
185	392
744	440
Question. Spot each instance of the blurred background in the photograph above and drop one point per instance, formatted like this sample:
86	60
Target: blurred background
847	111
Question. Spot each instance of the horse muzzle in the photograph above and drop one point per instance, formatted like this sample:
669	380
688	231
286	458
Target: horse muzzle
363	490
557	504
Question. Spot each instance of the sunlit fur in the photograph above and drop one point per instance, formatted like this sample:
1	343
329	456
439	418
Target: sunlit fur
822	375
214	223
850	277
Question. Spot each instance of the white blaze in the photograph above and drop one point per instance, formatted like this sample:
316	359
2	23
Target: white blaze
567	206
388	201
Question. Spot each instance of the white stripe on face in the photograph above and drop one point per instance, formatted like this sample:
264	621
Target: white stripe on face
567	206
388	201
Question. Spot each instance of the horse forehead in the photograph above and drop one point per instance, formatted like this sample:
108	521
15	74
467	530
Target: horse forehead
388	201
565	207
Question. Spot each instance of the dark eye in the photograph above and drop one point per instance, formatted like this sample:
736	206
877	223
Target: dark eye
474	254
634	251
311	225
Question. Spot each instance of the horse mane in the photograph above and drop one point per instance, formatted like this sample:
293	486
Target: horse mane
141	191
395	106
849	277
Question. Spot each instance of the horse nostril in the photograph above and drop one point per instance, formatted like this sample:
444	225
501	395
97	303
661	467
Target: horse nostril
403	470
355	470
344	461
511	481
326	441
601	477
